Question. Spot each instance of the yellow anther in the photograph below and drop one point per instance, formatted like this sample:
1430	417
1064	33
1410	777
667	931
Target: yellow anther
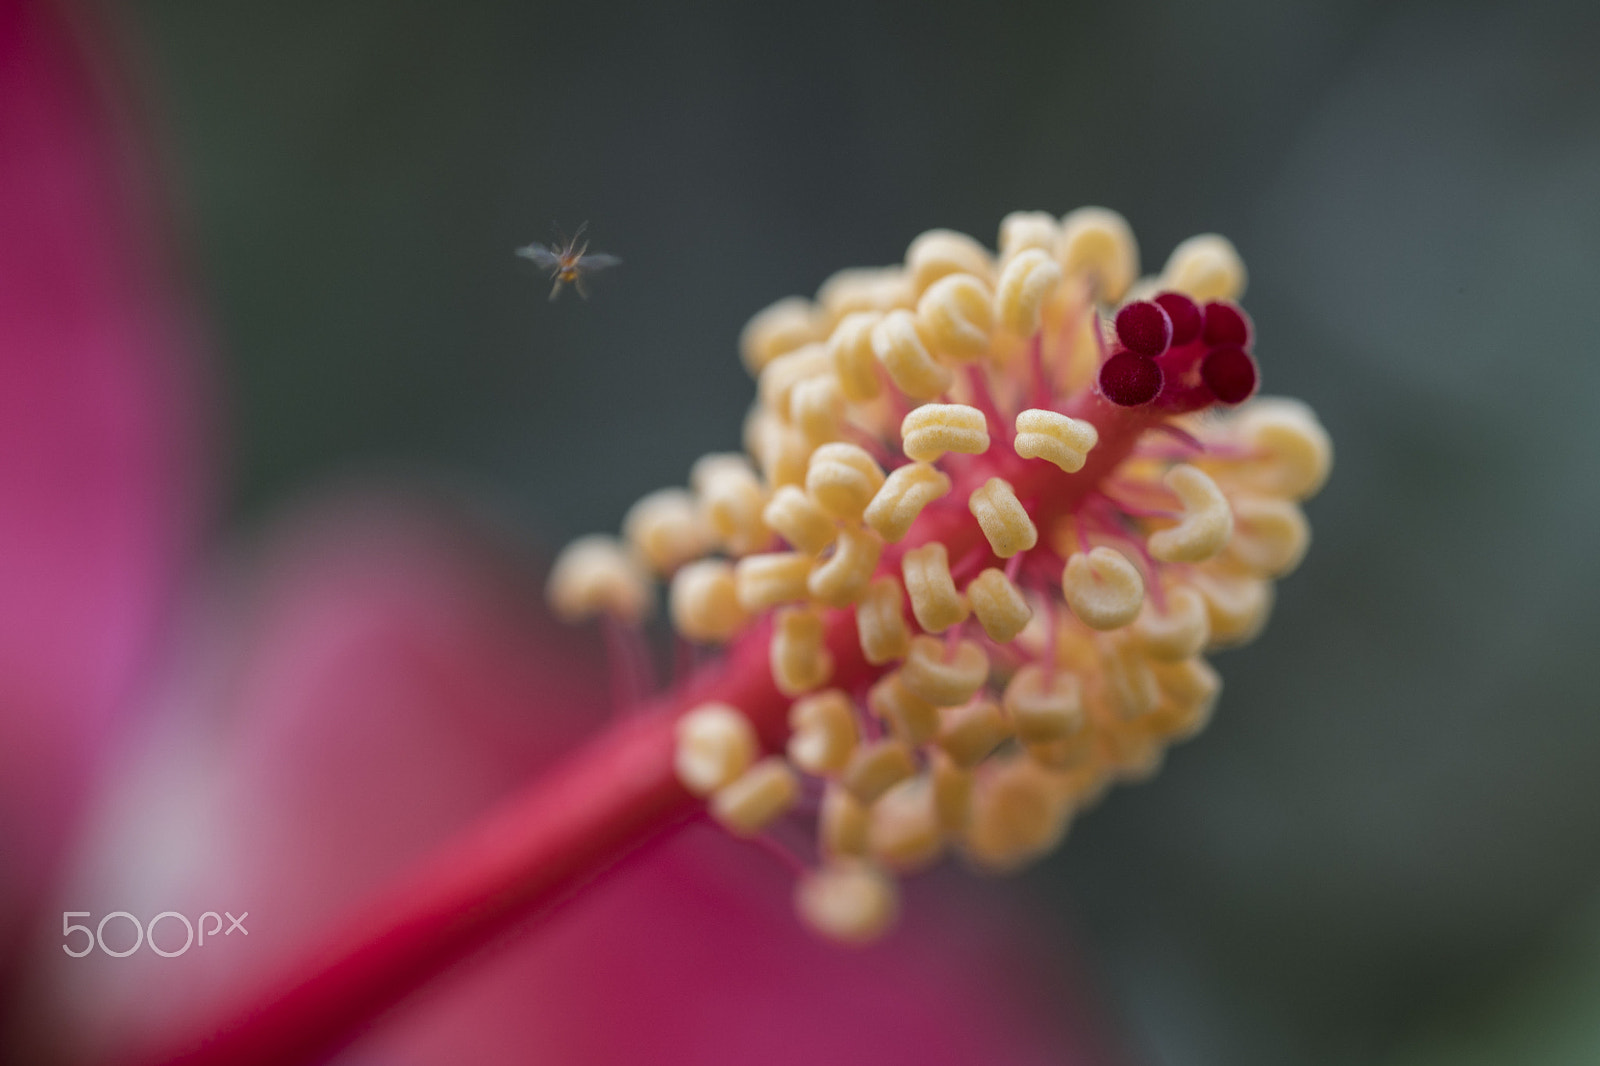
1130	683
1179	631
800	661
842	479
881	623
957	316
596	575
1055	438
900	348
715	744
822	732
1205	267
780	328
842	822
731	499
1237	606
999	605
934	599
1097	245
779	377
1103	589
942	681
705	602
854	362
1026	285
903	830
797	519
1270	536
1131	752
856	289
1077	751
927	432
771	578
875	767
757	797
1022	231
906	491
1296	452
815	408
940	252
665	529
777	447
952	791
1207	519
851	903
1045	706
842	578
1019	812
1003	519
1191	688
968	733
913	719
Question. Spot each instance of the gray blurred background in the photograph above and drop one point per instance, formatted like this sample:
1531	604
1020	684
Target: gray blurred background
1387	848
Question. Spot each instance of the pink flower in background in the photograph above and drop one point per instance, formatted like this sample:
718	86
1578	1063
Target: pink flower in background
99	448
374	677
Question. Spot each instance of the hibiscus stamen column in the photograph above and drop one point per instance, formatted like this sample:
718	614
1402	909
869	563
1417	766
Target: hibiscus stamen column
991	513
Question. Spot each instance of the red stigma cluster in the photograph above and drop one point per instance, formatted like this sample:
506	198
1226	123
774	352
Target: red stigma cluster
1179	355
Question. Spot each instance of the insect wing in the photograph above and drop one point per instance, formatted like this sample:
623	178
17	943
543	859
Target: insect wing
598	261
543	258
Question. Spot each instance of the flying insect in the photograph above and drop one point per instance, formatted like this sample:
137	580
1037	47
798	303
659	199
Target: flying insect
568	261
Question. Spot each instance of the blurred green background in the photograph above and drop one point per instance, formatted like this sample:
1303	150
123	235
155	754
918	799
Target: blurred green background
1387	848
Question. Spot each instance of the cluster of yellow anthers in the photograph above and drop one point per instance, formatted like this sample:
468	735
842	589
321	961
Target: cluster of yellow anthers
1053	463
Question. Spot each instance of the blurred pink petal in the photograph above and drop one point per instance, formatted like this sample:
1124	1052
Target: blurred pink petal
392	681
97	446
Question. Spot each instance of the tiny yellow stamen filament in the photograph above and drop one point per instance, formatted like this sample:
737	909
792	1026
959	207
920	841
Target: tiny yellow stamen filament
756	798
595	575
780	328
767	580
941	252
705	602
797	519
851	903
842	579
999	605
1003	519
799	660
1097	245
935	428
1103	589
1205	267
823	732
905	492
1055	438
1207	519
904	832
957	316
934	599
842	479
942	681
880	622
903	352
913	719
1045	705
715	745
877	766
1025	287
854	361
970	732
